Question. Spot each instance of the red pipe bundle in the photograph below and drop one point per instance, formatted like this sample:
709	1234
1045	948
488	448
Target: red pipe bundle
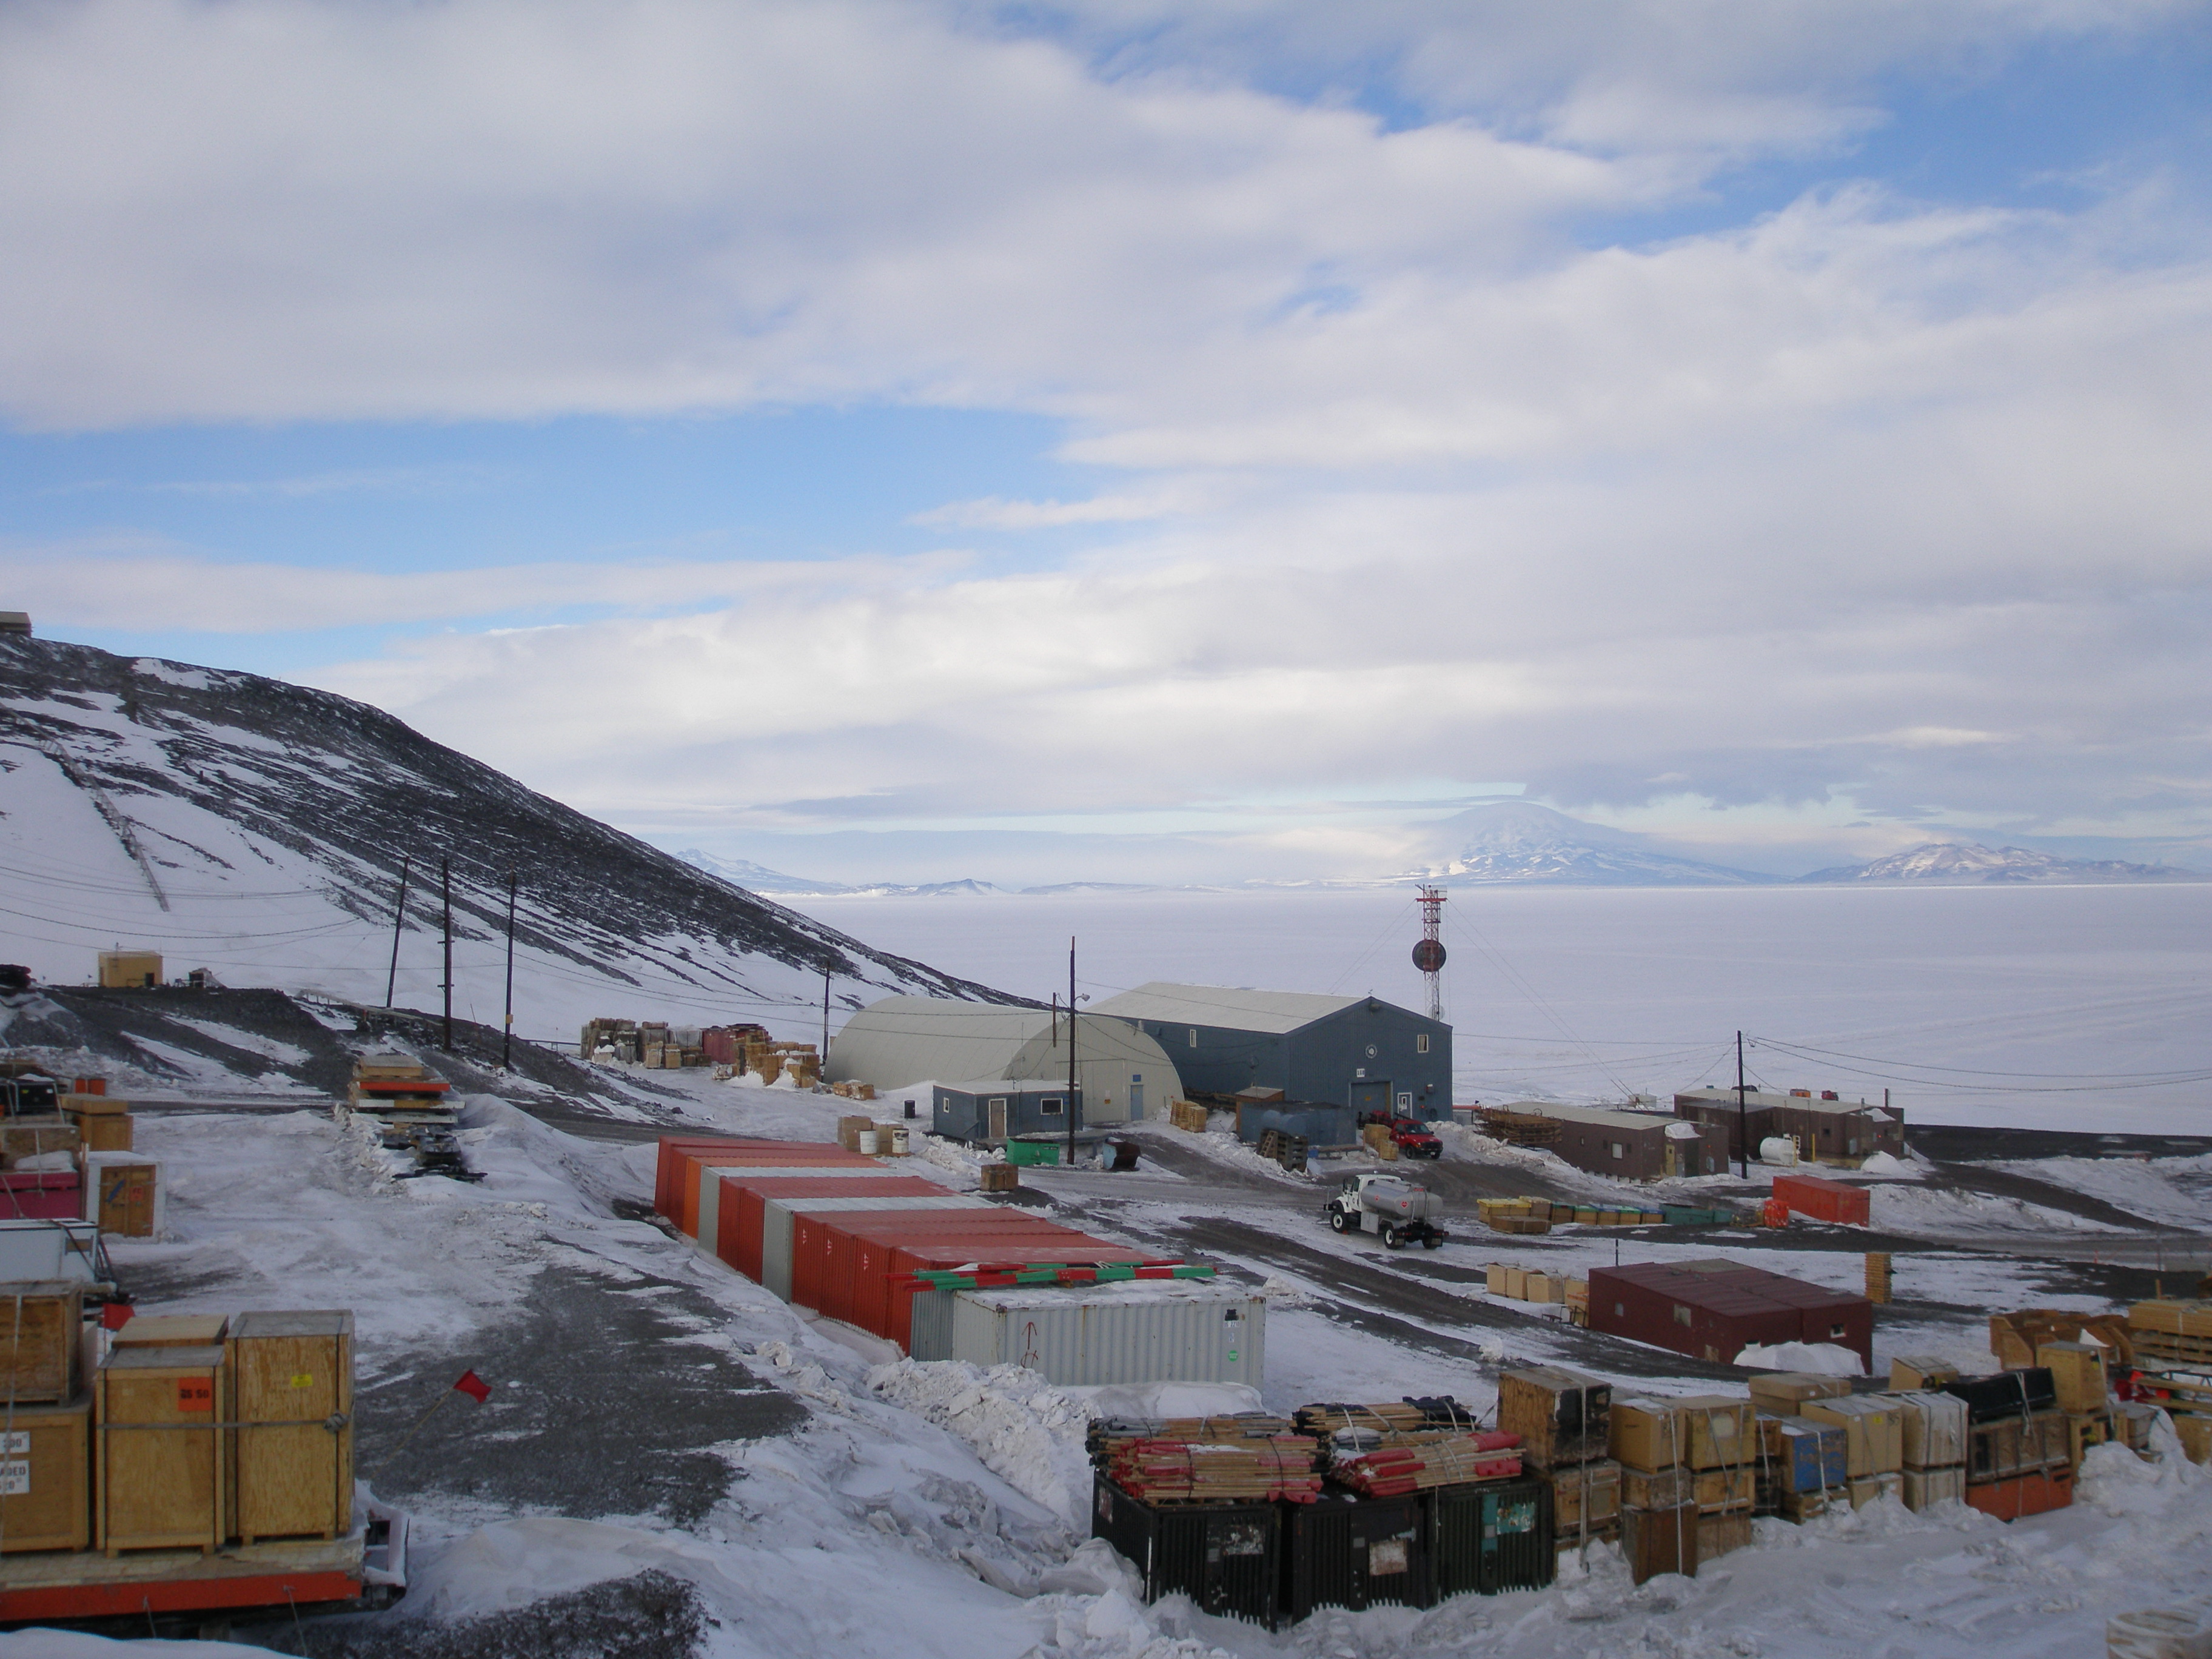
1446	1460
1280	1466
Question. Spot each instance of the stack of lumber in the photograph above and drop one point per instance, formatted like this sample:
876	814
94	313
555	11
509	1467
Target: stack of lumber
1390	1418
1278	1469
1418	1463
2015	1337
1518	1128
1108	1435
2171	1335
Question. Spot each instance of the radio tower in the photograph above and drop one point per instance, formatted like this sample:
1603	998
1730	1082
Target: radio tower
1429	954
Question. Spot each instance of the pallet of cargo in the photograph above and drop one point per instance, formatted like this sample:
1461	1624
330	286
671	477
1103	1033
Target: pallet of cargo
367	1569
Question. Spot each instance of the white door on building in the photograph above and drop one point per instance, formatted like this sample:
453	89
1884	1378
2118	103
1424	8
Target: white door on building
1136	1096
996	1128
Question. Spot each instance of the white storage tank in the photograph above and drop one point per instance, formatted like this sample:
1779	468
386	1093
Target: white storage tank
1158	1331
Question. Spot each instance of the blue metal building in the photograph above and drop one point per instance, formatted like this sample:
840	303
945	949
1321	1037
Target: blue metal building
1360	1051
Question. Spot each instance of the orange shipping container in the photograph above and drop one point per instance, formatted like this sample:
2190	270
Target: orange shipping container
1823	1199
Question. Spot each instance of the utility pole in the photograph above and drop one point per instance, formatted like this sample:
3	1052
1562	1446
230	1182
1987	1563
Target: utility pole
825	1014
446	888
398	915
506	1043
1071	1054
1743	1134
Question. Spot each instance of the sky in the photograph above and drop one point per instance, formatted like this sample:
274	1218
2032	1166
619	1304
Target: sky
1123	441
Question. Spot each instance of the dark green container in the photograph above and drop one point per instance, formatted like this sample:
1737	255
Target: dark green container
1032	1152
1497	1535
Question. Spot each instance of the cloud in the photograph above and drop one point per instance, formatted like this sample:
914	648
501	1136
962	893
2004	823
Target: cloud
993	512
135	587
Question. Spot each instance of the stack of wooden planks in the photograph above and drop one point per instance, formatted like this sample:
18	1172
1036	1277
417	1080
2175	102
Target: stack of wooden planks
1279	1468
2172	1334
1387	1418
1417	1462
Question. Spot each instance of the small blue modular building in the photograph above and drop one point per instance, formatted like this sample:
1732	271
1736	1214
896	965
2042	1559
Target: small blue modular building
992	1111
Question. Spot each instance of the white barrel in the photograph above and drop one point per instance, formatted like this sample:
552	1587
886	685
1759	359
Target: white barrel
868	1139
899	1143
2158	1633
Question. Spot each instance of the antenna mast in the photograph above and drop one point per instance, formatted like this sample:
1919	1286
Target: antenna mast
1429	954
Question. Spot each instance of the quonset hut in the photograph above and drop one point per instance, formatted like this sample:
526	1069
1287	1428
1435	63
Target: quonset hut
1360	1051
1120	1073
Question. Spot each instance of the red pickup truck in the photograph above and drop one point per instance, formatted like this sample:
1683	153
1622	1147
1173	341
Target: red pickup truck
1410	1135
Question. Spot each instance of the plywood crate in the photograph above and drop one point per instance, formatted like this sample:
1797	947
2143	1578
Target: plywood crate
1874	1432
2077	1372
1001	1177
33	1137
159	1449
1562	1417
1717	1534
171	1331
1782	1392
1911	1373
1585	1496
45	1477
122	1193
101	1121
1925	1488
290	1407
1718	1431
1656	1541
41	1341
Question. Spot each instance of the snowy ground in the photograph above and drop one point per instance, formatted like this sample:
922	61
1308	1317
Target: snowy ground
673	1462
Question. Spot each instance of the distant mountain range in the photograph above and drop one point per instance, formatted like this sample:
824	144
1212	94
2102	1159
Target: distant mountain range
1958	863
1520	843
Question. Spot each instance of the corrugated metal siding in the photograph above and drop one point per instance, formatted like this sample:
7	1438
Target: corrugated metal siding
931	1336
1070	1339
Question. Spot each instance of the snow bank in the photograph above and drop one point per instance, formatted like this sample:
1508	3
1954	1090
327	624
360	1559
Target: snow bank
1023	1429
1820	1359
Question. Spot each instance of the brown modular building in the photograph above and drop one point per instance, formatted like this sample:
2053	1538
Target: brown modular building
1633	1146
1714	1309
1826	1128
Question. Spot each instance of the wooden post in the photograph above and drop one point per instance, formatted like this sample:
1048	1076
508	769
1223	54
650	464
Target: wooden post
398	915
446	887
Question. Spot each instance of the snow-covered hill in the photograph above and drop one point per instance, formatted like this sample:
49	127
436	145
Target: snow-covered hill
258	828
1957	862
1520	841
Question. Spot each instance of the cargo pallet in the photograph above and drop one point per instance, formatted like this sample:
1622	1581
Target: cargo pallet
141	1590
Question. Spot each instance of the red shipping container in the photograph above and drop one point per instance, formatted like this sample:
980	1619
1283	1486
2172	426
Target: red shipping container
861	1249
809	1221
668	1175
2025	1494
1824	1201
41	1194
949	1254
736	1222
730	1225
695	1163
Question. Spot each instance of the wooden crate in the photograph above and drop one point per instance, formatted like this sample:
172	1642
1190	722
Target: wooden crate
45	1477
102	1122
1562	1417
290	1382
122	1193
160	1451
41	1339
2077	1374
28	1137
1001	1177
171	1331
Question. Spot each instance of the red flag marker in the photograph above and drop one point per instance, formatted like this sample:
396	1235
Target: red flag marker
114	1315
474	1386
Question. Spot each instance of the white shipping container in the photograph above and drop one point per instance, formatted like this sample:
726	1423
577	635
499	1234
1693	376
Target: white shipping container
1140	1331
37	1251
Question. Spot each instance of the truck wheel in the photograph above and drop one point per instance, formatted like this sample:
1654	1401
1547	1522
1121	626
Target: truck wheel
1393	1239
1338	1219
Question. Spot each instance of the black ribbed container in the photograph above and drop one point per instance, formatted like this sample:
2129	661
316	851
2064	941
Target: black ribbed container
2008	1393
1495	1536
1345	1550
1227	1558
